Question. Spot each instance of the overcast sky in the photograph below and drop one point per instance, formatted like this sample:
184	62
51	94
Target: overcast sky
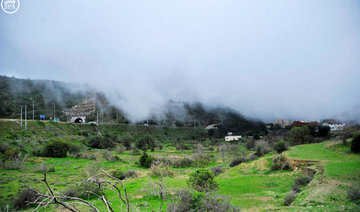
266	59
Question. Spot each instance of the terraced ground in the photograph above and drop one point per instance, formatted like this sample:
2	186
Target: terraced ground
251	185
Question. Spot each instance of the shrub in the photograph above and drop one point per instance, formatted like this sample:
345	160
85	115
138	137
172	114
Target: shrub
127	141
262	148
183	162
300	135
238	161
57	149
145	143
201	159
11	154
217	170
217	203
202	180
281	163
3	147
303	180
131	174
250	144
280	146
44	168
253	157
75	149
289	198
135	151
354	194
24	197
145	160
182	146
120	148
119	174
287	166
275	167
186	201
83	190
160	170
100	142
15	163
355	144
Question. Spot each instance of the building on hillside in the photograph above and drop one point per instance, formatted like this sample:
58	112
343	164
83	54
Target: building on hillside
305	123
79	112
233	138
283	122
335	126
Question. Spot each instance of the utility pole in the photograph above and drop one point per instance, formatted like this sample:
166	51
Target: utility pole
54	111
97	118
33	109
25	118
21	117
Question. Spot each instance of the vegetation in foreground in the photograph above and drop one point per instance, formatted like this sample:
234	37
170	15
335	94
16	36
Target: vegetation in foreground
321	176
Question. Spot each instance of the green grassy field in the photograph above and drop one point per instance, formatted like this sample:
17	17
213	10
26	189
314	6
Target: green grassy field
250	186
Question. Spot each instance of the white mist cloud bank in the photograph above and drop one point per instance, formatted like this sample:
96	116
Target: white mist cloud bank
266	59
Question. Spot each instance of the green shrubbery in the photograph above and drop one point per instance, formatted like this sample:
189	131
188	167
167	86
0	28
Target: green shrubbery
280	146
289	198
202	180
145	160
145	143
195	201
300	135
100	142
84	190
354	193
24	197
56	149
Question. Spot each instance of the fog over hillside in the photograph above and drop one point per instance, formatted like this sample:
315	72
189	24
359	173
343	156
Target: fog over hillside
265	59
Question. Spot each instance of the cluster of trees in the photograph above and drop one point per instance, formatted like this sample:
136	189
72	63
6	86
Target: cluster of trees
44	93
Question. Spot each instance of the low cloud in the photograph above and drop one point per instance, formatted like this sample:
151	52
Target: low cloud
264	59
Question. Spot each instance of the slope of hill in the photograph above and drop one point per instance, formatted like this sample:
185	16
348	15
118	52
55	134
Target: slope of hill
250	186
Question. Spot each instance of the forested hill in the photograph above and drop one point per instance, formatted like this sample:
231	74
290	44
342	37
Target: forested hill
45	93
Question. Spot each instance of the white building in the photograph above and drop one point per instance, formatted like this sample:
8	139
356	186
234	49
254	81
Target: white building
283	122
233	138
335	126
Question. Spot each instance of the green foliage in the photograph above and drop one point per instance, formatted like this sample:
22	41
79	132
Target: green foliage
303	180
127	141
355	144
217	170
100	142
119	174
186	201
145	160
238	161
289	198
300	135
145	143
84	190
262	148
323	131
56	149
354	193
202	180
280	146
24	197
